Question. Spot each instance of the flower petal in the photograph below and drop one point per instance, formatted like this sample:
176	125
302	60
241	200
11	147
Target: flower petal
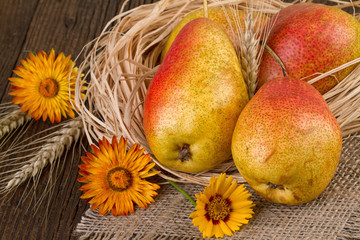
222	207
106	173
37	72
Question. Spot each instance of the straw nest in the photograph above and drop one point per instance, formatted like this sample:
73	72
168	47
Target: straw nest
119	65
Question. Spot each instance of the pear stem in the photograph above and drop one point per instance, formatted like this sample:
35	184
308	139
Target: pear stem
277	58
182	191
205	9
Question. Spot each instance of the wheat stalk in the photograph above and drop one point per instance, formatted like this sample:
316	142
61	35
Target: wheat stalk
248	55
48	153
12	121
250	34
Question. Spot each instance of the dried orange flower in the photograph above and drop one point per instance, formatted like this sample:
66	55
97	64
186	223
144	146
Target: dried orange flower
43	86
115	178
222	208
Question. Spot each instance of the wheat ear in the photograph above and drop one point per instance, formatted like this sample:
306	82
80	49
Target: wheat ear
249	55
247	34
250	33
52	150
12	121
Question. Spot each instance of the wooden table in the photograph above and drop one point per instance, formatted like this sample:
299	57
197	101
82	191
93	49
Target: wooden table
36	25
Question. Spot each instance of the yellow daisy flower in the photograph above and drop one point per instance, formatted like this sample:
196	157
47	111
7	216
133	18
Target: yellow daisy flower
222	208
42	88
116	178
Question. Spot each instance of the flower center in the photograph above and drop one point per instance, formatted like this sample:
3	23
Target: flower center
218	208
49	87
119	179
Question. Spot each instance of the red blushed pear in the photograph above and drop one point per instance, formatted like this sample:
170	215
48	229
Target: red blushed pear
194	99
286	142
309	39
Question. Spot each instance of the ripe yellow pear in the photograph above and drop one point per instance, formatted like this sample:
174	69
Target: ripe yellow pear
194	99
287	143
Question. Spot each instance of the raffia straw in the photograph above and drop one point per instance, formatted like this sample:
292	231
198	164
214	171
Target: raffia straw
344	4
205	8
34	159
121	62
344	102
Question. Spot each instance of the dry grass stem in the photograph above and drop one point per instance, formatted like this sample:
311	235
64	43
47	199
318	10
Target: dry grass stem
121	62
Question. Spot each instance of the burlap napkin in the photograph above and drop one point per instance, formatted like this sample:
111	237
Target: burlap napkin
335	214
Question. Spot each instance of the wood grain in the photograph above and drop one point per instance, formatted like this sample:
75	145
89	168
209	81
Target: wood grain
37	25
66	26
15	20
40	25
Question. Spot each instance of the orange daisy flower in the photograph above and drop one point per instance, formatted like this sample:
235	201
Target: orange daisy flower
43	86
115	178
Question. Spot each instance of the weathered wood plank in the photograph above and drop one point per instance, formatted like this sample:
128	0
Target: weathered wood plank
35	26
15	19
65	26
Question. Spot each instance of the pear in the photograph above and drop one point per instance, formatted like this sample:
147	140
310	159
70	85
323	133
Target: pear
311	39
286	142
194	99
229	19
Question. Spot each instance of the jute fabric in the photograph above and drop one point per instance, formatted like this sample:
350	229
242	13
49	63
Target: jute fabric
335	214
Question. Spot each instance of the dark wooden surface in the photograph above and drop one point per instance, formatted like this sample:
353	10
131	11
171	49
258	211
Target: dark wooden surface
36	25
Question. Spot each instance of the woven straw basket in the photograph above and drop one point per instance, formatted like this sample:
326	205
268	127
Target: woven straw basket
121	62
